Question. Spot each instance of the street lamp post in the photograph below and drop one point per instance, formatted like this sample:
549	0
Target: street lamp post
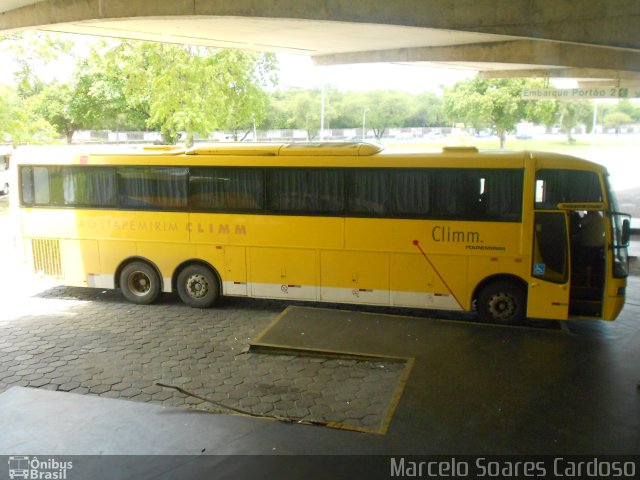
255	131
364	119
322	113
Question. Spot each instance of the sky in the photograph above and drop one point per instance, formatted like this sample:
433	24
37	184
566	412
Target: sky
299	71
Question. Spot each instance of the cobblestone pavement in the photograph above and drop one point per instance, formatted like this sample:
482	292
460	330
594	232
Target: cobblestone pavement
93	342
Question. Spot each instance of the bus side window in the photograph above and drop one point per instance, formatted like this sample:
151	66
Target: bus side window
153	188
41	185
458	194
89	186
226	189
288	190
326	189
558	186
494	194
540	187
411	193
369	192
26	185
447	193
501	194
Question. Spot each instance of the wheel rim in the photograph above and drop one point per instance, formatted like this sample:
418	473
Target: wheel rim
139	283
197	286
502	306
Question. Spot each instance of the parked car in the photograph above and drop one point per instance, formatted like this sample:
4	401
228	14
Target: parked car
404	137
4	175
433	136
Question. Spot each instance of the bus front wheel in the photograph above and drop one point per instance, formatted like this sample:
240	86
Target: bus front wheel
198	286
502	302
140	283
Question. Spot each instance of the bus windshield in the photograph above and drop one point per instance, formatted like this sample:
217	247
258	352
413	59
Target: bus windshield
620	239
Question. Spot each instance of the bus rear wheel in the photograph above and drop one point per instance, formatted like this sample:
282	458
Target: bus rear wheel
140	283
198	286
502	302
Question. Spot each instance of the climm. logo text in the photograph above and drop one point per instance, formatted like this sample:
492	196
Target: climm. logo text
444	234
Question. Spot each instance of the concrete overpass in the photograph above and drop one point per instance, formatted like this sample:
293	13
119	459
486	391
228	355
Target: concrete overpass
590	39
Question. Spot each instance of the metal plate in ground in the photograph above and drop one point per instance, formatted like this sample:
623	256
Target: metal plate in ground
358	339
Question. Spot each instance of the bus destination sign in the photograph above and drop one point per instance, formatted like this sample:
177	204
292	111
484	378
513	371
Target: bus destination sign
590	93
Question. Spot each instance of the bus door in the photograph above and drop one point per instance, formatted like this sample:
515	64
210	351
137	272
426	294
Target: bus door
588	259
549	288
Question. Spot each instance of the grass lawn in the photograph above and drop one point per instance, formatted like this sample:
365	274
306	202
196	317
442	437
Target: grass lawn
619	154
555	143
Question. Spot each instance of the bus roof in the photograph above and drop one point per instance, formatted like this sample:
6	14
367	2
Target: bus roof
559	160
328	154
331	149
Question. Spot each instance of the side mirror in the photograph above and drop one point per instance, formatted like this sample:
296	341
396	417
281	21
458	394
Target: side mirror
626	232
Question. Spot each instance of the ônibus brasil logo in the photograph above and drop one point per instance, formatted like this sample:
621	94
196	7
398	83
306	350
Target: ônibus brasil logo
33	468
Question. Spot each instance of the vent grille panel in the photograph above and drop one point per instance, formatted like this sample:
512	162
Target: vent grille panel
46	256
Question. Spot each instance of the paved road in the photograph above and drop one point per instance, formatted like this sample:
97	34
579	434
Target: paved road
93	342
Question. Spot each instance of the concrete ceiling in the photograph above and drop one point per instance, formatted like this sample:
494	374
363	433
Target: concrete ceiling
499	38
306	37
7	5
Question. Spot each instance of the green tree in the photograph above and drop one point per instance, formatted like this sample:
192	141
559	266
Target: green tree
8	110
301	109
82	100
173	88
19	123
276	113
76	105
192	89
55	103
543	112
298	108
305	109
386	109
572	113
489	103
466	103
334	108
100	93
625	106
616	120
426	111
245	98
32	51
350	109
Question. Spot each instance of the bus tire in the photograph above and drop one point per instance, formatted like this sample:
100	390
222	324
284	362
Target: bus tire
503	302
140	283
5	189
198	286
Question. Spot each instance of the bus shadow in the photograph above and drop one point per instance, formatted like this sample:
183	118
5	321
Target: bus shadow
114	296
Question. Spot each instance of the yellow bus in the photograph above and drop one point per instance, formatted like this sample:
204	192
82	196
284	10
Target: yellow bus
509	235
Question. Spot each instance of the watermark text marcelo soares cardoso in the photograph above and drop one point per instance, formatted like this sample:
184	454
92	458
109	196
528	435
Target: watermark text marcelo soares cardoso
480	467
